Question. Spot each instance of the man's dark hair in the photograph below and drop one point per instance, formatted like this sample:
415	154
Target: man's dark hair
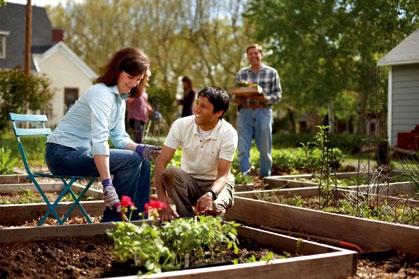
217	97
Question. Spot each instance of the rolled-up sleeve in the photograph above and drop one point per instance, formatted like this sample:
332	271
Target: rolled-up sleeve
276	90
229	145
100	105
119	136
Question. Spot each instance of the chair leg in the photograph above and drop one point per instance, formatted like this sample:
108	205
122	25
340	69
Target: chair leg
51	207
77	200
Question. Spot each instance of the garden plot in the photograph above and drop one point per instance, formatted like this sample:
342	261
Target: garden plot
83	251
370	235
21	202
343	179
397	192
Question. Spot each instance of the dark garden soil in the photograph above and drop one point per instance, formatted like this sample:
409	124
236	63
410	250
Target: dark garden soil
81	257
91	257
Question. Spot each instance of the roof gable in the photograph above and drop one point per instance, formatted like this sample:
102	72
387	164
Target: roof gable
406	52
13	20
61	46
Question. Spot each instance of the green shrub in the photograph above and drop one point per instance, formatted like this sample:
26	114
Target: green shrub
18	91
7	161
34	147
347	142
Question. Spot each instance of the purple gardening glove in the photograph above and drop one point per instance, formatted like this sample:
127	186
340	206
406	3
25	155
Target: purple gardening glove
148	151
109	193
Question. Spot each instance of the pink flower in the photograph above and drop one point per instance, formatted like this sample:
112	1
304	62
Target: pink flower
126	202
154	205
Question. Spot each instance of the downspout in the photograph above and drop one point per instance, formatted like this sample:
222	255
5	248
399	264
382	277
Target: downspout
390	106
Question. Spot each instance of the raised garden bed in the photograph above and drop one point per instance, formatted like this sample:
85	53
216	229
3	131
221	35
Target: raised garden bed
370	235
82	251
20	202
344	180
396	192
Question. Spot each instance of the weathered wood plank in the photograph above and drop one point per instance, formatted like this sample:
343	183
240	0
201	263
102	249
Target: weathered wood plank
48	187
371	235
13	178
17	214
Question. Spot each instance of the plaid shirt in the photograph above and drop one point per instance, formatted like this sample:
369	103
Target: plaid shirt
267	78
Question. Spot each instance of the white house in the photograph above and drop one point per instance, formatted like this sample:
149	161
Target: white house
403	92
69	75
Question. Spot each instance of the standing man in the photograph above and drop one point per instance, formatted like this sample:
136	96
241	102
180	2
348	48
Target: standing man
255	115
203	183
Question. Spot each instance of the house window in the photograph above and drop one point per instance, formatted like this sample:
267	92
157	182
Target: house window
3	37
70	97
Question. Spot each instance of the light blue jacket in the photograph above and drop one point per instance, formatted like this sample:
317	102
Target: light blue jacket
97	116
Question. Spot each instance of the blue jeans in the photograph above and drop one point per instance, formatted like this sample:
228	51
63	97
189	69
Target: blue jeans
255	124
131	173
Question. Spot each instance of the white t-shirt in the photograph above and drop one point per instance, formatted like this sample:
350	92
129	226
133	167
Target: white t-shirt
200	156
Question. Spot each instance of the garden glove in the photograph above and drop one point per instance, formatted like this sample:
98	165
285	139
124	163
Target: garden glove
148	151
109	193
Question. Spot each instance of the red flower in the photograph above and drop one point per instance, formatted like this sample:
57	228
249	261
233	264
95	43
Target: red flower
126	202
154	205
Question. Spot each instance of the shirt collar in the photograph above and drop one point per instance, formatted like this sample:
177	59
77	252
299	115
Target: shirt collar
114	89
215	131
262	66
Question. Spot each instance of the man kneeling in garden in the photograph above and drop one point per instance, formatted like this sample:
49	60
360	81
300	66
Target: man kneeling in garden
203	183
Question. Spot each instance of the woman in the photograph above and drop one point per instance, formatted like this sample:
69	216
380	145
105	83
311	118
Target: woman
79	144
188	97
139	109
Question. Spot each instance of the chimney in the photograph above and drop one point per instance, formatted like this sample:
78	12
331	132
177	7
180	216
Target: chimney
57	35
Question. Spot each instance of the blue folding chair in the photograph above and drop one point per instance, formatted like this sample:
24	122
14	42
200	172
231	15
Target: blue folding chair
39	121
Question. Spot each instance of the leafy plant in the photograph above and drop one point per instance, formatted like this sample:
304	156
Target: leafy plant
173	245
7	162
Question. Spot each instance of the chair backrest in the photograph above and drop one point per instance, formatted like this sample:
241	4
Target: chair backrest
35	127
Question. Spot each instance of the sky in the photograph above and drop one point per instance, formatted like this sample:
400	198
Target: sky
40	3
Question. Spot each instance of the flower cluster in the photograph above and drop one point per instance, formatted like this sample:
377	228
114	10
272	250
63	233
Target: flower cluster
125	204
153	209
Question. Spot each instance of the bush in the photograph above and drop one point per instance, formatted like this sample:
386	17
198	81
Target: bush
34	147
162	100
347	142
18	91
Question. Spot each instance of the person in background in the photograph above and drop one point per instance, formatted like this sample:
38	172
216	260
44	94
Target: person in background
188	97
254	118
139	109
203	183
79	145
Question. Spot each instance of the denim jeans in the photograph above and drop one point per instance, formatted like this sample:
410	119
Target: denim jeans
255	124
131	173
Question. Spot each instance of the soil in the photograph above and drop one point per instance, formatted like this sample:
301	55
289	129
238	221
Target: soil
91	257
81	257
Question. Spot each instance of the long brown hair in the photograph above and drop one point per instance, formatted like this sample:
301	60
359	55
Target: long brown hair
130	60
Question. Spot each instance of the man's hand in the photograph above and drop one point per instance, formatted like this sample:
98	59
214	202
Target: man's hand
148	151
167	214
204	203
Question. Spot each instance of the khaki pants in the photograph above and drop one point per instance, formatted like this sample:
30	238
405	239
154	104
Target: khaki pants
184	191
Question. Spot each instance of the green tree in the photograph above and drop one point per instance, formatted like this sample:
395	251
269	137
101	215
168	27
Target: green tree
201	39
18	91
322	48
